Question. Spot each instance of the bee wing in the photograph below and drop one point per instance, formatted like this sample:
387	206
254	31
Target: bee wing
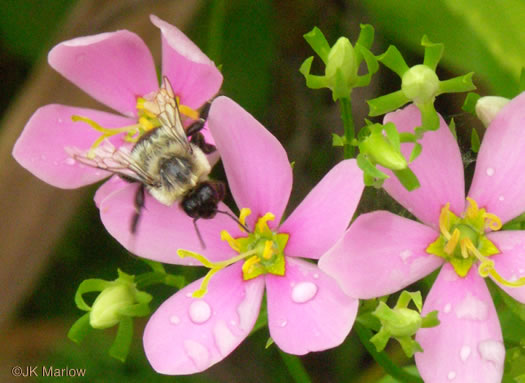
118	161
169	115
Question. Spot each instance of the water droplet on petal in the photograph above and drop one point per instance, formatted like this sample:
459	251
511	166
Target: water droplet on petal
451	375
303	292
174	319
501	198
246	308
200	311
283	323
224	339
59	120
316	276
197	353
55	163
43	157
447	308
490	172
405	254
70	161
472	308
188	295
492	351
464	353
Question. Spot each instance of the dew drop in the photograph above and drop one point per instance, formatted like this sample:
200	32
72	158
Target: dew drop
189	294
70	161
43	157
464	353
224	339
283	323
447	308
405	254
247	307
316	276
492	351
174	319
501	198
197	353
200	311
471	308
59	120
451	375
55	163
80	58
303	292
490	172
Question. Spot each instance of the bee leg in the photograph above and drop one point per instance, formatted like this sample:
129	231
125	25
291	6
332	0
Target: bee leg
195	127
199	235
139	205
198	139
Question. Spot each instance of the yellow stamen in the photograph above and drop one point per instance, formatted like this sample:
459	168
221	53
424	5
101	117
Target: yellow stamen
268	250
225	236
464	245
249	264
492	221
473	209
452	241
203	288
262	226
189	112
245	212
444	221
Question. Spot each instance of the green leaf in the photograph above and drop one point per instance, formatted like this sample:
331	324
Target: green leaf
452	127
80	329
521	87
295	367
387	103
315	38
338	140
120	347
474	141
469	105
394	61
515	306
88	286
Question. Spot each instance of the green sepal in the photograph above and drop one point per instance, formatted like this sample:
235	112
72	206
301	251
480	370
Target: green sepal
469	105
406	297
387	103
154	278
341	88
452	127
368	180
457	84
461	265
433	52
409	345
407	178
122	343
394	61
371	64
486	247
79	329
430	320
407	137
416	151
474	141
380	339
369	169
312	81
366	36
521	86
315	38
338	140
138	310
89	286
393	136
429	116
154	265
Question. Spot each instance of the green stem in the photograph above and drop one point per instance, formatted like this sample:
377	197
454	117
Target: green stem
382	359
349	127
216	30
295	368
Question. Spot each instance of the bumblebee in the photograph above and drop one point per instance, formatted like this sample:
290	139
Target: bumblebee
168	161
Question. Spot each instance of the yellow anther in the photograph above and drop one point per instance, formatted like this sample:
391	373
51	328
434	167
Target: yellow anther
189	112
262	224
268	250
225	236
464	246
452	242
473	209
146	123
247	267
245	212
444	221
492	221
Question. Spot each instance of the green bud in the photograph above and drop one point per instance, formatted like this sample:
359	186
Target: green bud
342	56
405	323
380	151
420	84
488	107
106	309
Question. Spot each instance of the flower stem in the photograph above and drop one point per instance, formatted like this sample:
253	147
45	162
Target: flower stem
216	30
345	106
382	359
295	368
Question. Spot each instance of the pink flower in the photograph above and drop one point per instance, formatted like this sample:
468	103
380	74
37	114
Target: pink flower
382	253
117	69
307	311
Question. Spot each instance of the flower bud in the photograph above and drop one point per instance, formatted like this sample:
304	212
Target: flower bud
342	57
106	309
403	322
420	84
488	107
381	152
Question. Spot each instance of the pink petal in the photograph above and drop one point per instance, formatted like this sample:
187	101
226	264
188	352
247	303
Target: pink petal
193	76
380	254
162	230
257	167
439	169
498	183
307	311
40	147
467	346
188	335
510	263
114	68
323	216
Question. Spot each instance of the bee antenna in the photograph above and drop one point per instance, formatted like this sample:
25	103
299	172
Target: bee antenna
203	245
235	219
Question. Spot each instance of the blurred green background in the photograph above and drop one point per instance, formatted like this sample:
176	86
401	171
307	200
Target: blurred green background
259	46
